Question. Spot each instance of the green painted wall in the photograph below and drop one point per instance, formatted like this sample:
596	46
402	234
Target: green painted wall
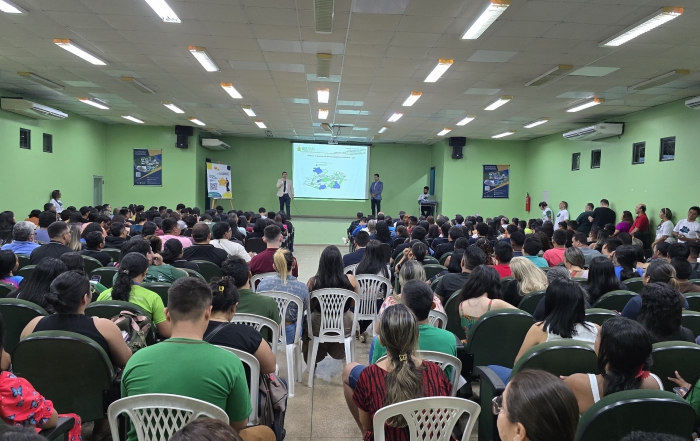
27	177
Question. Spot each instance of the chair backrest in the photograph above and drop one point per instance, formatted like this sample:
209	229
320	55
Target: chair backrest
68	368
444	361
634	284
16	313
207	269
105	274
434	283
370	289
23	260
530	301
693	299
430	418
562	357
350	269
497	336
159	288
444	257
695	281
156	417
114	253
580	280
253	380
91	264
432	270
437	319
255	244
599	315
454	324
691	320
26	271
614	300
618	414
505	281
671	356
259	322
193	273
283	300
111	308
5	289
255	280
332	302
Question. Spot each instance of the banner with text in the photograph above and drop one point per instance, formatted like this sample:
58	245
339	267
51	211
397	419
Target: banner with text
496	181
219	181
148	167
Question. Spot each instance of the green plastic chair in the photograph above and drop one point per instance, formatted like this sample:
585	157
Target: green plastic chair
430	260
207	269
614	300
691	320
444	257
5	289
26	271
599	315
634	284
23	260
111	308
453	318
159	288
505	281
693	299
105	274
582	281
496	337
91	264
79	374
114	253
192	273
671	356
16	314
530	301
618	414
432	270
695	281
434	283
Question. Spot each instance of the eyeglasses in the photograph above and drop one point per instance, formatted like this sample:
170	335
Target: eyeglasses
497	404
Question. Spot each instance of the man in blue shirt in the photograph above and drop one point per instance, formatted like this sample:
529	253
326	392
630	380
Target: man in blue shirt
45	219
22	239
531	248
376	193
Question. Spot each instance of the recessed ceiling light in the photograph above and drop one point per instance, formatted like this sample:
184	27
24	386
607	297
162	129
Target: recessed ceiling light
136	84
228	87
41	80
248	111
661	79
71	47
493	10
196	121
11	8
383	129
503	134
439	70
551	75
395	117
95	103
466	120
412	98
172	107
444	131
499	102
586	104
132	118
536	123
322	113
260	124
323	95
664	15
200	53
164	11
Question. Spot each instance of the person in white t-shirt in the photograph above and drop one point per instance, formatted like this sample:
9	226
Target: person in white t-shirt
546	212
664	232
563	214
222	240
687	229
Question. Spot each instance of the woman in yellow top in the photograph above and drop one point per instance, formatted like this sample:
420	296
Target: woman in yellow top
132	270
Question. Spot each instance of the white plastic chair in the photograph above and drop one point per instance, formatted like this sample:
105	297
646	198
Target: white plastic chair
258	277
370	291
436	316
258	322
430	418
332	330
253	383
350	269
442	360
293	349
156	417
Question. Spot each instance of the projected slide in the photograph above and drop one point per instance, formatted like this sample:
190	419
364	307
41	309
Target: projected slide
324	171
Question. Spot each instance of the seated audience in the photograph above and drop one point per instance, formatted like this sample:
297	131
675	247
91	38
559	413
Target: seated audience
383	234
359	245
264	262
601	279
664	232
625	258
418	233
503	253
35	287
9	264
610	246
480	294
60	235
531	250
46	218
574	261
625	223
661	312
517	240
202	249
158	271
94	243
554	256
449	284
118	235
172	254
22	239
526	278
222	233
580	241
453	234
33	217
683	271
658	271
171	230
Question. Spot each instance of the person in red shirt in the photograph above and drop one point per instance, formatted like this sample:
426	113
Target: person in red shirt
641	222
263	262
504	252
555	256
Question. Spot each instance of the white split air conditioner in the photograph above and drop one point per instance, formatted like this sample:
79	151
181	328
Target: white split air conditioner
595	132
214	144
28	108
693	103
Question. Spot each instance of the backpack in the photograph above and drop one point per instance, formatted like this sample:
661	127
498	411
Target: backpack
135	329
273	404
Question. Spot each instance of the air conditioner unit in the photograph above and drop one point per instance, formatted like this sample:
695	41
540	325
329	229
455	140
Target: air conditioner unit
28	108
693	103
595	132
214	144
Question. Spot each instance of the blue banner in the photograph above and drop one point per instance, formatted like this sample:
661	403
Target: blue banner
148	167
496	181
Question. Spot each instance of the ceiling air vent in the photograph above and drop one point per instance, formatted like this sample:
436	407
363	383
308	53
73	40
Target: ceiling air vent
693	103
323	13
323	65
595	132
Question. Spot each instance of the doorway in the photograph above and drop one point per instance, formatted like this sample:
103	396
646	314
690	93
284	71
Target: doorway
97	190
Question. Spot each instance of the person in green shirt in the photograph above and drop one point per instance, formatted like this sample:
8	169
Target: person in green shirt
158	272
176	366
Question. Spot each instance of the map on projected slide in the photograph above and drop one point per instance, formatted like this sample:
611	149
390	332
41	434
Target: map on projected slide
325	179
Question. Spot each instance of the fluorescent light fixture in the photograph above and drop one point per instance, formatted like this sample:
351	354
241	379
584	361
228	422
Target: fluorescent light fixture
228	87
71	47
536	123
466	120
412	98
661	79
586	104
395	117
41	80
164	11
664	15
11	8
95	103
493	10
499	102
260	124
200	53
444	131
323	95
136	84
551	75
196	121
503	134
383	129
322	113
172	107
438	71
132	118
248	111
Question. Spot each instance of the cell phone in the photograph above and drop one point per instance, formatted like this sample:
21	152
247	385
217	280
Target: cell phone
95	279
680	391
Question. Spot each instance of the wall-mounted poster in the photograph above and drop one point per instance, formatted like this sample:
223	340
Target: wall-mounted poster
219	181
148	167
496	181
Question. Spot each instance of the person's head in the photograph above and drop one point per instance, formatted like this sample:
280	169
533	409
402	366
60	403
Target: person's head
283	262
627	217
473	257
611	244
640	208
680	250
563	205
169	226
220	230
189	300
661	310
59	232
419	251
69	292
225	296
573	257
73	261
580	240
418	297
37	285
693	213
455	233
201	234
172	250
133	266
660	271
665	214
601	278
543	205
418	233
624	349
56	194
604	203
52	208
8	264
206	429
529	277
504	252
455	265
237	269
626	257
376	177
426	189
517	240
361	240
482	229
559	238
564	308
536	405
94	241
46	218
383	233
272	236
411	270
558	273
683	268
118	229
373	261
23	231
262	211
532	246
484	280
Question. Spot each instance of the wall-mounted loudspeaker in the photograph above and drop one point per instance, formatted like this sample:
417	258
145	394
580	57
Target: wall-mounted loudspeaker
183	133
457	143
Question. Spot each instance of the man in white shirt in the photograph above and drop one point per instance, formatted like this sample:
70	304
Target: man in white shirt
563	214
285	192
221	231
426	210
546	212
686	230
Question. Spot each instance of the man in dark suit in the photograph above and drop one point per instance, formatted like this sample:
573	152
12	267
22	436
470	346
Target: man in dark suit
375	190
453	234
59	235
361	241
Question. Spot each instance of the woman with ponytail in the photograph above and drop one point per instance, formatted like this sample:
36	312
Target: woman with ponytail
401	376
625	257
172	255
69	295
658	271
624	353
132	270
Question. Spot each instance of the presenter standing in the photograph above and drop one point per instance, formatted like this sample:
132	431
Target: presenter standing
285	191
426	209
376	193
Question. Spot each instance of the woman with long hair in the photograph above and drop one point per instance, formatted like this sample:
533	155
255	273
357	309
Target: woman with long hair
623	347
664	232
75	233
127	288
480	294
626	221
55	200
601	279
172	255
527	278
658	271
626	260
35	287
661	313
383	234
486	247
9	263
7	222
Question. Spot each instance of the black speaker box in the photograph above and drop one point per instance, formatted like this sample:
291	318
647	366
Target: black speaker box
457	143
183	133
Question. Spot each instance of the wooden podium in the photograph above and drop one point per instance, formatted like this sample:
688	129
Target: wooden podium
215	200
